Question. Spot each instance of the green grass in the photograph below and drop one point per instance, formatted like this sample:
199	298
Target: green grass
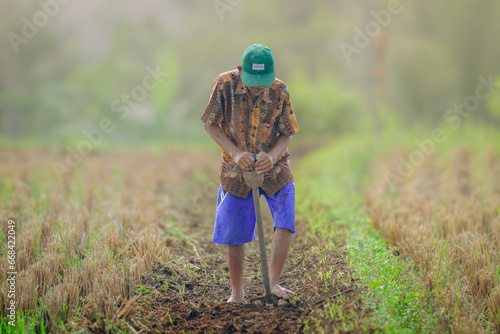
393	291
24	323
329	186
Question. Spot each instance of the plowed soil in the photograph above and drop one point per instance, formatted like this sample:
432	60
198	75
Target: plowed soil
194	301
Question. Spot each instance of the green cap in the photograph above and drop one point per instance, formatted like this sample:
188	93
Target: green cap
257	66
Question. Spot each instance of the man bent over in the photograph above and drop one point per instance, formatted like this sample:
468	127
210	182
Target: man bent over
250	116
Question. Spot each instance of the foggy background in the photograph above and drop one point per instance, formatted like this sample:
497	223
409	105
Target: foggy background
65	66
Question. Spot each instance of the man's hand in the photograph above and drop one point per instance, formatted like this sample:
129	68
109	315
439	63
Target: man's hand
244	159
264	163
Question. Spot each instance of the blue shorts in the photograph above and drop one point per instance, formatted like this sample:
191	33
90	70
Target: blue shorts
235	217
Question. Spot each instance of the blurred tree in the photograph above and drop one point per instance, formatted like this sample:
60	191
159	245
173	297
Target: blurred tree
494	103
440	49
89	54
323	106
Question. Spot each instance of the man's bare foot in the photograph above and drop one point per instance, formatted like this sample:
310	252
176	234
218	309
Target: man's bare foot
235	299
281	292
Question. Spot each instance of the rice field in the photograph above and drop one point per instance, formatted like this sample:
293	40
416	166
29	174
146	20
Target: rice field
83	245
445	217
122	244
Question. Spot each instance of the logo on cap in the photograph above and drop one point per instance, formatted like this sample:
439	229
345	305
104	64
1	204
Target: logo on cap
258	67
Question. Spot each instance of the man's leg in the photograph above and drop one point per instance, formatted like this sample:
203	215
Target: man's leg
236	259
280	246
282	206
234	226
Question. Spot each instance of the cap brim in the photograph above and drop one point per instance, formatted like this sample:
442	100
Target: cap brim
257	80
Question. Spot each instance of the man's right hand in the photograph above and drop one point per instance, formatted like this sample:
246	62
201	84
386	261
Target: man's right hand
245	160
242	158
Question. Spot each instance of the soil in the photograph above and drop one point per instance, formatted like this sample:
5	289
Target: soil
194	300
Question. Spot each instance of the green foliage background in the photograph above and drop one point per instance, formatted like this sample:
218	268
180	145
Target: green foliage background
424	59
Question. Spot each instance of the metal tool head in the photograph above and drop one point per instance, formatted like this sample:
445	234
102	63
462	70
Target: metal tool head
267	299
254	180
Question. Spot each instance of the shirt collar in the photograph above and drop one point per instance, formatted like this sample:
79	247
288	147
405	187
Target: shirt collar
242	89
265	95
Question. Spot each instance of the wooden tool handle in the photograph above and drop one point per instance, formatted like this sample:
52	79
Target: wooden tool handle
262	242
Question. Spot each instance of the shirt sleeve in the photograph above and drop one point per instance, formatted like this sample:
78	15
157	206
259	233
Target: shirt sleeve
214	113
287	122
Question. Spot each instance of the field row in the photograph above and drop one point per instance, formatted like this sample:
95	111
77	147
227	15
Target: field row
445	216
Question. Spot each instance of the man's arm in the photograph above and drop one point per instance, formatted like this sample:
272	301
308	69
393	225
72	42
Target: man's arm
265	161
241	158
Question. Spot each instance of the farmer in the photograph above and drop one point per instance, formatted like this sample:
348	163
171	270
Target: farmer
250	116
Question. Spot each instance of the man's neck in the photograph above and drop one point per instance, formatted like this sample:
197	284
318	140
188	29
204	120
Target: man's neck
253	97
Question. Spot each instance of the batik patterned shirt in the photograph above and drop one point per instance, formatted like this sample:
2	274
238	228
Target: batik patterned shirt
252	128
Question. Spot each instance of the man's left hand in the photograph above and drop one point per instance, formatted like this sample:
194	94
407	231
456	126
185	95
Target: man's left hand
264	163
